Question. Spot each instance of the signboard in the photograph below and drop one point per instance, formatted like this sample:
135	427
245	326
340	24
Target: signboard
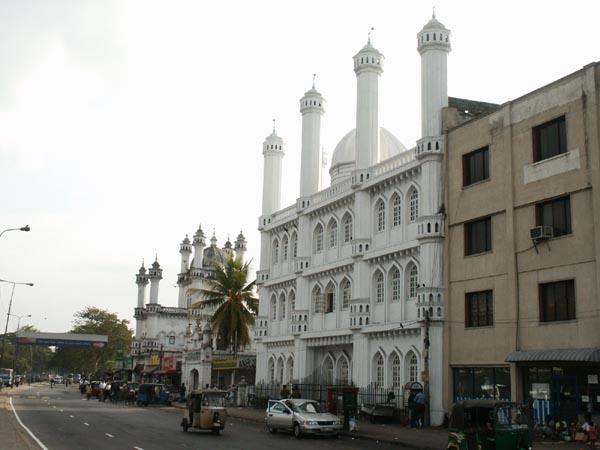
225	364
170	364
128	363
119	356
592	379
62	339
154	360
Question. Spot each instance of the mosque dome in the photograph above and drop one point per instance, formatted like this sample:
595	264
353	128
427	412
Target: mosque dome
214	254
343	160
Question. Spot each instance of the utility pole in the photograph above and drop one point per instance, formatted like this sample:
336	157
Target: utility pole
425	375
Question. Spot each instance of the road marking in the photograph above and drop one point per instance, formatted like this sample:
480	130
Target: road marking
109	435
33	436
72	417
138	448
86	424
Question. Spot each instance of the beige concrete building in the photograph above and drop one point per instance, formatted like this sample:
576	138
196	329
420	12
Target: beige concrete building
522	250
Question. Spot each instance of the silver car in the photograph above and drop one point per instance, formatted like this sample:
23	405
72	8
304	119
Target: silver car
301	416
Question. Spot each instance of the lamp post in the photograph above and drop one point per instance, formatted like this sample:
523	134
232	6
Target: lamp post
16	358
8	314
25	228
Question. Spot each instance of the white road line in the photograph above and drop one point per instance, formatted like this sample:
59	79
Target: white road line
109	435
138	448
33	436
86	424
72	417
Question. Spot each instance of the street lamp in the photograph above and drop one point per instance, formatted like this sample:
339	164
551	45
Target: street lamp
8	314
25	228
16	358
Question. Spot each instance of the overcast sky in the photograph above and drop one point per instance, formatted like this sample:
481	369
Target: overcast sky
126	124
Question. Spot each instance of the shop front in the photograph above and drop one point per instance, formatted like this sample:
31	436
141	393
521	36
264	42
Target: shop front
562	383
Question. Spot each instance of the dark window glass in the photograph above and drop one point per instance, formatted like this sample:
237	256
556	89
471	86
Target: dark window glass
557	301
481	383
476	166
550	139
556	214
478	236
480	309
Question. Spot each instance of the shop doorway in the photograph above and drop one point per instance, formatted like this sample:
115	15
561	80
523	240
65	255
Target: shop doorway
565	396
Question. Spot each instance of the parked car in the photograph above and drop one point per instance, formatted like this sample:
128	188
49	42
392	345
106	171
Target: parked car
153	394
301	416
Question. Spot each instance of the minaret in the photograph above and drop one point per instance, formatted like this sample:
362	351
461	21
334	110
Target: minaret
186	250
213	240
240	245
155	275
312	108
199	244
141	279
368	66
228	247
273	151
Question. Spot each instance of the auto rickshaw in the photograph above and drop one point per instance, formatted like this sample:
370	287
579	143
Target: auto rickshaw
489	425
205	410
153	394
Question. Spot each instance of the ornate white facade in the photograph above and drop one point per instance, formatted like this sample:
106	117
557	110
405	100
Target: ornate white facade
164	331
348	273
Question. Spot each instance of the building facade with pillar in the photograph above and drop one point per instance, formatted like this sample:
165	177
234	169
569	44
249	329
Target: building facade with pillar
349	272
177	341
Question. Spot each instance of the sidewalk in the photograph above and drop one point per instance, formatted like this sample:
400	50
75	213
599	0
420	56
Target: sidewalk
12	435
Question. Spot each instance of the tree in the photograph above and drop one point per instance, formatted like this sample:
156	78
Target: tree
233	296
93	320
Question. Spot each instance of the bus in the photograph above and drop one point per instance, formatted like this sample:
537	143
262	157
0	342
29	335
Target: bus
6	375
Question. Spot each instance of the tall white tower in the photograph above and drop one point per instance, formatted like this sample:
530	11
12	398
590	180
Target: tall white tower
368	66
185	249
273	151
141	279
312	108
199	245
155	275
240	245
433	46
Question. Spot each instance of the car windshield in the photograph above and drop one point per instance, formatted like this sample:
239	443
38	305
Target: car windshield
307	407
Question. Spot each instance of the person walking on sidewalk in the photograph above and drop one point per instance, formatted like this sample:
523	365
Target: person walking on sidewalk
419	409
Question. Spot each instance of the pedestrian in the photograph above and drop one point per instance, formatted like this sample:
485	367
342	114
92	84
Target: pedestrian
284	392
233	395
590	430
182	392
420	409
296	391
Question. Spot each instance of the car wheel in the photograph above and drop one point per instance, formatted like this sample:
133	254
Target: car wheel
297	431
272	430
216	431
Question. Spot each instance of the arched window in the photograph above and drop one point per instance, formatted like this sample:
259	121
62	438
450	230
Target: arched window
292	301
379	287
284	249
282	305
330	298
318	238
271	371
346	293
347	228
328	371
280	370
318	300
413	368
414	205
396	211
290	368
273	308
333	233
380	215
396	285
294	245
379	370
275	251
343	372
396	372
413	279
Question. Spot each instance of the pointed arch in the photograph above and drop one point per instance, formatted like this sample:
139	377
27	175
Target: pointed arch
290	368
327	369
282	306
413	204
280	368
317	298
412	366
332	233
378	364
378	286
396	209
395	283
285	245
330	296
275	256
348	227
318	238
380	214
292	301
346	292
395	365
411	280
343	369
273	307
294	245
271	370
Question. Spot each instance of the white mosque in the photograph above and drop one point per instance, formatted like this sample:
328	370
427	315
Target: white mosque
349	273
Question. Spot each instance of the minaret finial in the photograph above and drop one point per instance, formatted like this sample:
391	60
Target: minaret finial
433	15
314	76
274	126
142	262
156	257
369	35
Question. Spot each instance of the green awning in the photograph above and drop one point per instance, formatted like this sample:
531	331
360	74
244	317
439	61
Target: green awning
591	355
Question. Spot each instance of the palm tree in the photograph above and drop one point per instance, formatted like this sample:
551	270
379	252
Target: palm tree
231	293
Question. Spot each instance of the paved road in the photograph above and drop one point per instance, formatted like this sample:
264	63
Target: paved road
63	420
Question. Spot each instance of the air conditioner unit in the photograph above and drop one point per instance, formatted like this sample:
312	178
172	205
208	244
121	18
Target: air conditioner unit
541	232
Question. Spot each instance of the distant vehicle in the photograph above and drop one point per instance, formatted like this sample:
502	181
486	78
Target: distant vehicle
301	416
58	379
7	377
